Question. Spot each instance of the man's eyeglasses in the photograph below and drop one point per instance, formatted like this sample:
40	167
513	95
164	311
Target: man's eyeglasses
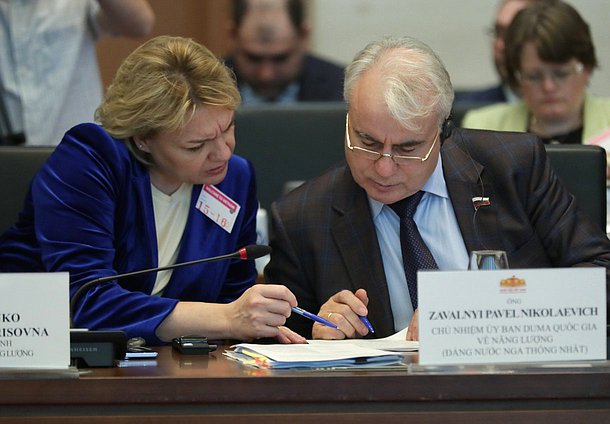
374	156
559	76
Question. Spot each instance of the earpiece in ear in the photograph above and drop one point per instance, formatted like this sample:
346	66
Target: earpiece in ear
446	129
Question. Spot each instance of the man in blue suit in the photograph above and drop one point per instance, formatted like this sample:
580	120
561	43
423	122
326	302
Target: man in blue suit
338	240
270	57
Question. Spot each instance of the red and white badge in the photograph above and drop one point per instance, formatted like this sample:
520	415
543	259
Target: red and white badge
217	206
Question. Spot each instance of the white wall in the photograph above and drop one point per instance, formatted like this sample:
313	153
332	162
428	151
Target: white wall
455	29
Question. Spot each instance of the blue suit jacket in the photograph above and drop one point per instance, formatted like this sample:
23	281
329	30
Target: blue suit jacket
319	80
324	239
90	212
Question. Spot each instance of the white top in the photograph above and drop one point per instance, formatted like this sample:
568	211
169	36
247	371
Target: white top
171	213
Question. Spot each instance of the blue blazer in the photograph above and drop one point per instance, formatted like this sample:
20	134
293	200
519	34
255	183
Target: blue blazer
89	212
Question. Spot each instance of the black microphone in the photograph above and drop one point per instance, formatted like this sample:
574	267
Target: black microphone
253	251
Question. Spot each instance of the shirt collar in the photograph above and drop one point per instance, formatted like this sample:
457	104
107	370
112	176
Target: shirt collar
435	185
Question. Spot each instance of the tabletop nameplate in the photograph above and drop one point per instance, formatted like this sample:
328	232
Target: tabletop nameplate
34	320
514	315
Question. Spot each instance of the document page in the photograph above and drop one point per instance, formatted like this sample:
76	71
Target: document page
395	343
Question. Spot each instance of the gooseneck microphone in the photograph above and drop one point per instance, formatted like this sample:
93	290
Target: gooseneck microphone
102	348
253	251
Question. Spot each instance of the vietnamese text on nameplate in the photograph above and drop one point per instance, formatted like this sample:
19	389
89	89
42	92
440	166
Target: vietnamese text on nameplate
519	315
34	320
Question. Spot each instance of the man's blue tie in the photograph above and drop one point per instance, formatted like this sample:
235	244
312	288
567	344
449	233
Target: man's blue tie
415	253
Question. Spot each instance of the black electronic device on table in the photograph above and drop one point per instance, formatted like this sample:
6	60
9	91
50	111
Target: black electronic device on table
193	345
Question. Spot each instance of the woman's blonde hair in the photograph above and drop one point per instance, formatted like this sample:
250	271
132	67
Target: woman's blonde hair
159	86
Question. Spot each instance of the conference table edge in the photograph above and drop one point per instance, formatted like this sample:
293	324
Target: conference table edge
343	388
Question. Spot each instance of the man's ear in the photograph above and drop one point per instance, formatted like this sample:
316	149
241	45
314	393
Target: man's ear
231	36
231	30
305	35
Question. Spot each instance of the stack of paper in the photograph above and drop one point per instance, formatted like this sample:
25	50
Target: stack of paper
314	355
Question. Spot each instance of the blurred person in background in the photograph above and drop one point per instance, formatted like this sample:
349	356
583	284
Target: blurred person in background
49	75
550	57
502	92
270	55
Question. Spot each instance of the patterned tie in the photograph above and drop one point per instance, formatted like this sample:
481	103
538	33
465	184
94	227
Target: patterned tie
415	253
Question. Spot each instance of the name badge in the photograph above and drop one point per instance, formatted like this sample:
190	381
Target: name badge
217	206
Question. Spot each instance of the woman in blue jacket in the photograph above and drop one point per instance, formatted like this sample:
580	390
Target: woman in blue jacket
155	184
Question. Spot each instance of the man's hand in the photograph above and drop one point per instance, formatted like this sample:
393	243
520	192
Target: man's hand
413	331
343	309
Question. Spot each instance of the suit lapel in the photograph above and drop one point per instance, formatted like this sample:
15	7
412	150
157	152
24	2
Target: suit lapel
464	178
354	233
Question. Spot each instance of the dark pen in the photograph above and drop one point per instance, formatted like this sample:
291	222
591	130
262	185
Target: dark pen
313	317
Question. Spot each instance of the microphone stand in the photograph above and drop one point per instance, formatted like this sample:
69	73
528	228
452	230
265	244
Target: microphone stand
85	287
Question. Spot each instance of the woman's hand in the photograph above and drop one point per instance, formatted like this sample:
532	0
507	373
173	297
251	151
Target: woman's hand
260	311
287	336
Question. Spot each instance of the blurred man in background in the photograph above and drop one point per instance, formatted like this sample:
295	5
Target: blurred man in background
270	55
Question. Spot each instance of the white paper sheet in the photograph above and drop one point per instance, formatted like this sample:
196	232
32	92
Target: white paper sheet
395	343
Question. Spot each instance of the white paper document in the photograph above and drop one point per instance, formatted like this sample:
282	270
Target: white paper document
395	343
326	353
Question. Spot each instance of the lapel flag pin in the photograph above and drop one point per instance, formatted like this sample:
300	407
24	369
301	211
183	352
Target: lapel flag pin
479	201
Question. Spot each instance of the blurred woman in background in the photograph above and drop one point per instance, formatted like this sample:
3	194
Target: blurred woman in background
550	58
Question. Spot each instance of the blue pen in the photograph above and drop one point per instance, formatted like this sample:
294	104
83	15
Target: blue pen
367	323
311	316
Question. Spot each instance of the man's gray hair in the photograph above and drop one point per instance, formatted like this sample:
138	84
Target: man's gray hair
416	83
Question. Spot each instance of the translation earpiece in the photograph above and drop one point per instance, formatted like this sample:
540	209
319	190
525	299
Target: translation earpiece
446	129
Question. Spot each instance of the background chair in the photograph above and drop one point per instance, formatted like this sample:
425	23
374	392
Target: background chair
461	107
289	142
582	169
18	165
